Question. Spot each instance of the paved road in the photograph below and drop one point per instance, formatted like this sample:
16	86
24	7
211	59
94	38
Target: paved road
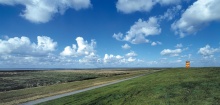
75	92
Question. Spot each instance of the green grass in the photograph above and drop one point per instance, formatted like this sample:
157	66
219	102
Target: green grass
27	94
195	86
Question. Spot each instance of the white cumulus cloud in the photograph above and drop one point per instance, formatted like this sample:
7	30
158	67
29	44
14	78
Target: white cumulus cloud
131	54
170	52
42	11
168	2
82	48
126	46
69	51
45	43
24	46
179	45
207	51
171	13
129	6
156	43
92	58
130	59
153	44
118	36
140	30
21	52
111	59
197	16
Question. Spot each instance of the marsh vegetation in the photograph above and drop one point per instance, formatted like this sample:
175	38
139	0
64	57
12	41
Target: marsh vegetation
14	80
23	86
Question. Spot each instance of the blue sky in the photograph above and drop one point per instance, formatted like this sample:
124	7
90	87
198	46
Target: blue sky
109	33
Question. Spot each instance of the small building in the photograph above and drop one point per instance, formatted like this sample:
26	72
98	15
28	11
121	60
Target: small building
187	64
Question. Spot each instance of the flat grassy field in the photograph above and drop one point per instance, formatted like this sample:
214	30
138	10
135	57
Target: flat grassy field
38	84
195	86
14	80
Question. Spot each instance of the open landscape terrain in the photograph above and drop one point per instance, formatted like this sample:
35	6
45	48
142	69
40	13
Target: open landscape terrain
22	86
179	86
175	86
13	80
110	52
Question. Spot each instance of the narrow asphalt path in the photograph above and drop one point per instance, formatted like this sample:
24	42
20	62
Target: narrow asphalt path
75	92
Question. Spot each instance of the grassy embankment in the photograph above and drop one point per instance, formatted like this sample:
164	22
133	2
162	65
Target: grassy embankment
195	86
48	83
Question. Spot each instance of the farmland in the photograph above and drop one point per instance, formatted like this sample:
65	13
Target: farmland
195	86
21	86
